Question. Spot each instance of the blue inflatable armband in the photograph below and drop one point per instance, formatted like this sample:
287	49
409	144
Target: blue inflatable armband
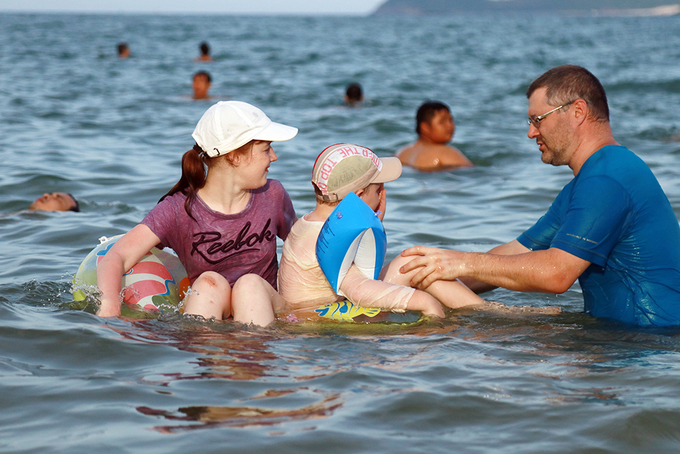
351	234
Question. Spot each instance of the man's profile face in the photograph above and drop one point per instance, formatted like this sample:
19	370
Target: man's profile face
553	134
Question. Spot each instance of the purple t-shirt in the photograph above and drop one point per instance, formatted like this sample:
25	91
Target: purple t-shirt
229	244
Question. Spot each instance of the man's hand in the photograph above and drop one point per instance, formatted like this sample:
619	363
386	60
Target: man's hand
436	264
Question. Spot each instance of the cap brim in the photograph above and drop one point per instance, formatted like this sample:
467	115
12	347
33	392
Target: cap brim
391	170
276	132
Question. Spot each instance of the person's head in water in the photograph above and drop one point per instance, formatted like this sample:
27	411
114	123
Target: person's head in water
354	93
123	50
56	201
205	52
201	85
434	119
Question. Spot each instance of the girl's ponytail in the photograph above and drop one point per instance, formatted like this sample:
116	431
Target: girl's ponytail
192	179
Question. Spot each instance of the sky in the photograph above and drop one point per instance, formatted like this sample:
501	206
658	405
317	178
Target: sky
358	7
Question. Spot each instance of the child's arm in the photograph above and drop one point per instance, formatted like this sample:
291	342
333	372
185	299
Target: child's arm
123	255
366	292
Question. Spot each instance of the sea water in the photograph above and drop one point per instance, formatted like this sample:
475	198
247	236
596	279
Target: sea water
76	118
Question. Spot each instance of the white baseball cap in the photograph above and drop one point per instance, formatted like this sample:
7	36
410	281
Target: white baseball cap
343	168
228	125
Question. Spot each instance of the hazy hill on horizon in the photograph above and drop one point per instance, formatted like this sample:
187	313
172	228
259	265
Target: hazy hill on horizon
581	7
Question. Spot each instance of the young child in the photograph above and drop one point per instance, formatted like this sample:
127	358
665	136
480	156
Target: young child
222	223
431	152
302	283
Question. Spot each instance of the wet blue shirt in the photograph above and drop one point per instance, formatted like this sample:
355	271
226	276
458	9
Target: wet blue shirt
615	215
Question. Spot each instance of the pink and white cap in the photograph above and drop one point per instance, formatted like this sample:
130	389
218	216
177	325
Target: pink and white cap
343	168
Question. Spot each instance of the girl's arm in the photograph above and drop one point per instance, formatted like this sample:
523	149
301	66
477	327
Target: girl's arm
123	255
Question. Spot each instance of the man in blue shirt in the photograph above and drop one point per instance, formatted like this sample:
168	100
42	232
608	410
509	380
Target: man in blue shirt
612	227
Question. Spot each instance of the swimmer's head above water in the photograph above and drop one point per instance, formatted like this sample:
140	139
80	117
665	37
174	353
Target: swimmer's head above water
354	94
201	85
55	201
343	168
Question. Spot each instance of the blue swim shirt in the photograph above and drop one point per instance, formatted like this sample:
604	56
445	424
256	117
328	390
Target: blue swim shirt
615	215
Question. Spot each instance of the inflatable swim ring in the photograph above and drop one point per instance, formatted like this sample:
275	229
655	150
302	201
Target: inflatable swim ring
347	311
158	281
351	234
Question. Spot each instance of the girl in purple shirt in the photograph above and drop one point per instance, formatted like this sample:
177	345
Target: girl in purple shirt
222	223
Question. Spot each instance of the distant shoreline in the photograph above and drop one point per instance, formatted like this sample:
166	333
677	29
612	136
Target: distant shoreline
641	8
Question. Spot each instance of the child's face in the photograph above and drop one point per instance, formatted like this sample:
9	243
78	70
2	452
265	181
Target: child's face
372	195
441	128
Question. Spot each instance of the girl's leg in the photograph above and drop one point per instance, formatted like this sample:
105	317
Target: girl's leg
210	297
255	301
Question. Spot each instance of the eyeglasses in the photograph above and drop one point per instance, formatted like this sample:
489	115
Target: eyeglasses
536	121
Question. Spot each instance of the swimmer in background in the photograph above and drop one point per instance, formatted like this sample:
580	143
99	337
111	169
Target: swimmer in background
354	94
201	84
123	50
55	201
431	152
204	48
302	283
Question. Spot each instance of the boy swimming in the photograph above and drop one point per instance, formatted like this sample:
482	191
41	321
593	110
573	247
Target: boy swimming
431	152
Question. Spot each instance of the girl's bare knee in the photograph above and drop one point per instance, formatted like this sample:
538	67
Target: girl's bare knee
210	296
211	281
253	300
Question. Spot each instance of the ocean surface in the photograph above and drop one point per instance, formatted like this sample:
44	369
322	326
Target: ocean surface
75	118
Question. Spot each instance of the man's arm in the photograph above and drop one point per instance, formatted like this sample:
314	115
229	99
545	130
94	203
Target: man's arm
512	248
548	271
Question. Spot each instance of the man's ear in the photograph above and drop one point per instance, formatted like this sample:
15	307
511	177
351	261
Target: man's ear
360	192
580	110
